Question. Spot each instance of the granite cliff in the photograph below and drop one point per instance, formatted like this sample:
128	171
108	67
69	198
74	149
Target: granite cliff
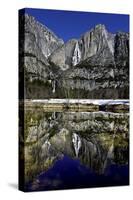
94	66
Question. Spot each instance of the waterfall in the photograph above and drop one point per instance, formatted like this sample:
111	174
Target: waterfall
53	86
77	143
77	55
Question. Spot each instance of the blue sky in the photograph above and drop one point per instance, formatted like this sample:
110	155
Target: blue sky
68	24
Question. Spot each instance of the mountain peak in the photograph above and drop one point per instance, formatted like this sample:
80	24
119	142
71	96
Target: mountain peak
100	26
42	37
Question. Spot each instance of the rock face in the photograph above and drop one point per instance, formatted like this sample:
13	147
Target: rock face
39	43
39	37
66	56
97	46
94	66
121	53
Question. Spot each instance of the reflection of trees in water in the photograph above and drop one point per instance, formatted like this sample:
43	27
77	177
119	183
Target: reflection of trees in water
96	139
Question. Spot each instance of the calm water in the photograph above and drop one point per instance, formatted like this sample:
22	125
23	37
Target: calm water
75	149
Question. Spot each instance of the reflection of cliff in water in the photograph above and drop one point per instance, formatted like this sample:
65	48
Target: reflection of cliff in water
96	139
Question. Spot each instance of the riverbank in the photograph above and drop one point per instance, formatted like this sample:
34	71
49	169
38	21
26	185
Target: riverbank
77	104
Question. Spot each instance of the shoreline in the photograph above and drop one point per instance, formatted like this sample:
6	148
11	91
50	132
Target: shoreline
119	105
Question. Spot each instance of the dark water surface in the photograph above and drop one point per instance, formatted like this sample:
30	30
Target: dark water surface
65	150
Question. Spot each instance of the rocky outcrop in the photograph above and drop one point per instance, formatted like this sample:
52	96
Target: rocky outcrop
65	56
94	66
39	37
121	53
103	69
97	46
37	43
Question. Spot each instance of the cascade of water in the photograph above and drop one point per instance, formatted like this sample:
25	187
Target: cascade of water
76	56
53	86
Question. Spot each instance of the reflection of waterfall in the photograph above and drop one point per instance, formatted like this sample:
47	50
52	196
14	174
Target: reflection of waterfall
46	145
77	143
53	115
110	155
